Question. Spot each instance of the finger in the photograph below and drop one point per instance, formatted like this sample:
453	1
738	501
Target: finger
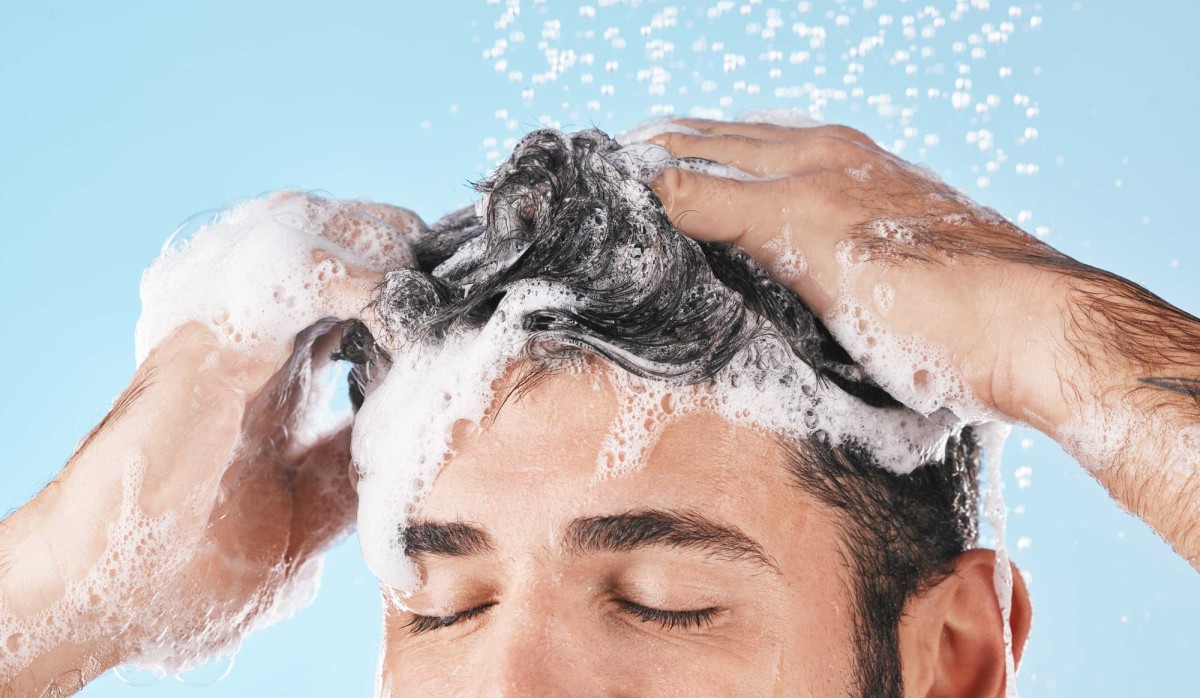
709	127
750	155
772	132
719	209
746	154
280	416
406	221
845	133
345	289
379	234
783	223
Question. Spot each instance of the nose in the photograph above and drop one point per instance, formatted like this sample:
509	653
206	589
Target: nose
536	650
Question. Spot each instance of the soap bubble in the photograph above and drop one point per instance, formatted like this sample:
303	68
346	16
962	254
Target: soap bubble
211	672
137	676
190	226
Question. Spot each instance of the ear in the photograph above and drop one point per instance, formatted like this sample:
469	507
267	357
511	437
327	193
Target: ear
952	636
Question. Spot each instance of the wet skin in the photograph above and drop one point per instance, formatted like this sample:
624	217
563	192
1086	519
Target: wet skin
737	583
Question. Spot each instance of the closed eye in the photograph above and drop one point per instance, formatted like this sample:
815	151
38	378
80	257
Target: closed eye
670	620
666	619
422	624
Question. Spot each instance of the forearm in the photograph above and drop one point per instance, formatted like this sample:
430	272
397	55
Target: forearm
68	592
65	669
35	656
1127	401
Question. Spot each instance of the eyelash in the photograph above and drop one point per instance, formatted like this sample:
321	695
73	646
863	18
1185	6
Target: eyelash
424	624
668	620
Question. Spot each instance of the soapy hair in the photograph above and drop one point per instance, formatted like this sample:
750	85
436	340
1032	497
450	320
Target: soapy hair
571	209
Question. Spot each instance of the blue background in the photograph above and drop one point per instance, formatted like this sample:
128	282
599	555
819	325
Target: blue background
120	119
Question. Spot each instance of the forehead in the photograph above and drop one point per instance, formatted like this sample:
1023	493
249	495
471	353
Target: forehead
540	457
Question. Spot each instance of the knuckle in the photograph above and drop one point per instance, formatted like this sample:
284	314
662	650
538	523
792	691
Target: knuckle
834	149
670	186
671	140
683	185
850	134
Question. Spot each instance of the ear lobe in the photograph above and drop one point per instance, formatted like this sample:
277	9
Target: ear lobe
952	636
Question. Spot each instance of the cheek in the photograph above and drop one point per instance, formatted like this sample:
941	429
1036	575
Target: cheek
411	667
819	655
818	652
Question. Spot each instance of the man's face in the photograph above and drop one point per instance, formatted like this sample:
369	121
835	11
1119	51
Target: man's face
705	572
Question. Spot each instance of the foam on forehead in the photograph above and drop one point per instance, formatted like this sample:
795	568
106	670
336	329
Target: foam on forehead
574	254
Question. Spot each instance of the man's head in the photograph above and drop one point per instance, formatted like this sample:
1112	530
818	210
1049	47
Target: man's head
674	484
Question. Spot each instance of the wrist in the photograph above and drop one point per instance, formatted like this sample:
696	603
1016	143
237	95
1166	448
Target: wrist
194	355
1036	366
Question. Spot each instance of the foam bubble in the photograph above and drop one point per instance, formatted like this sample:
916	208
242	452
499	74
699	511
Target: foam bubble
1100	436
650	128
644	161
859	174
403	432
788	263
780	116
914	370
263	270
1097	438
884	296
991	438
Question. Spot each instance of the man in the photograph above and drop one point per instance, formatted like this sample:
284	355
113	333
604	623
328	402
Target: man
718	556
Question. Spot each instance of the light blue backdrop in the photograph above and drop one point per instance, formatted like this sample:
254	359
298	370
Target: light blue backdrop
120	119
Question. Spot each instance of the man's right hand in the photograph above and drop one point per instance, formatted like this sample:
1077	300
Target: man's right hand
196	509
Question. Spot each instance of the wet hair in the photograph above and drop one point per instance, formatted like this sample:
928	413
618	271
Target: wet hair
569	209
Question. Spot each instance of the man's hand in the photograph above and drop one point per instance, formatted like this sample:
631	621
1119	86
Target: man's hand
196	510
871	244
931	293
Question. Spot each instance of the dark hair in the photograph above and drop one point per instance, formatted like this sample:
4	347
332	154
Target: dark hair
564	208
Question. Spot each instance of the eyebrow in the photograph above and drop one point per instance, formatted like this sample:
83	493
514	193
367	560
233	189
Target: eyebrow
592	535
673	529
446	539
